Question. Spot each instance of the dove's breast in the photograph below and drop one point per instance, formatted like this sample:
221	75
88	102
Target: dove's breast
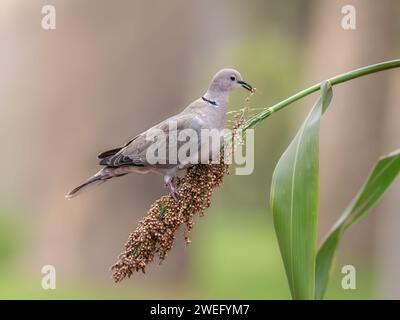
212	117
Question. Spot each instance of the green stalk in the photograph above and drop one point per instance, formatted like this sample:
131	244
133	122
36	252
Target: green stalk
252	121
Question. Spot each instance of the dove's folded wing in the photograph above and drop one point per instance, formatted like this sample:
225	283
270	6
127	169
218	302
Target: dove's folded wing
108	153
135	152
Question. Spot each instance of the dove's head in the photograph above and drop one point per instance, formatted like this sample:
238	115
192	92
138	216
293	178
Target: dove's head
226	80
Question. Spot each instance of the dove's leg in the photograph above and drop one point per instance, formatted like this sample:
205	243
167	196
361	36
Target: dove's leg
170	185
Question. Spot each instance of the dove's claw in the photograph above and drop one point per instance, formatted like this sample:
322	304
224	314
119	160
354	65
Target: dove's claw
173	191
175	194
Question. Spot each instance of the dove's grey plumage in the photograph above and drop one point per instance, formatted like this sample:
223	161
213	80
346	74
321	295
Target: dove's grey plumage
207	112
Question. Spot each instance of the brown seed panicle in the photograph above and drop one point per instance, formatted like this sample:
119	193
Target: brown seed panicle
155	233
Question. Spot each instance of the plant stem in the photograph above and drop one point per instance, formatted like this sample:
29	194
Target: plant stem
252	121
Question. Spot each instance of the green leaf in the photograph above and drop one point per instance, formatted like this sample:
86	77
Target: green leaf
383	174
163	210
294	201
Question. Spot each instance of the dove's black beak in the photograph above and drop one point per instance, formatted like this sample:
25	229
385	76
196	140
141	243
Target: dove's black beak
246	85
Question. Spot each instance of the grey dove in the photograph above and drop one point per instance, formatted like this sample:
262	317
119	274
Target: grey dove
207	112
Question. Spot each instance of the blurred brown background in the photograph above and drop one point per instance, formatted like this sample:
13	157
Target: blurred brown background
111	69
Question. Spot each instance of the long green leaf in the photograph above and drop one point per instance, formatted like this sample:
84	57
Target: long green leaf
383	174
294	201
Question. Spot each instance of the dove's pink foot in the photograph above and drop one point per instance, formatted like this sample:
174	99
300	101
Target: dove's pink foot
172	189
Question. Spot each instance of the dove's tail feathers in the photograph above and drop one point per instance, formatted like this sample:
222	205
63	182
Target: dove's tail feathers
95	180
100	177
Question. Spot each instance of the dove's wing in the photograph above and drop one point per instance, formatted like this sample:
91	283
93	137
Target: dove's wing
134	153
108	153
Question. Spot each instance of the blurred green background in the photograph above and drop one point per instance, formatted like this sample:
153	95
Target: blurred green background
112	69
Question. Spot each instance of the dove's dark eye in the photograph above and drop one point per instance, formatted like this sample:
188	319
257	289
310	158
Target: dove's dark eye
233	78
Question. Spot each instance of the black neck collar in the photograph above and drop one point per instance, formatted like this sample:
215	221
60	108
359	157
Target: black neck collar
210	101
